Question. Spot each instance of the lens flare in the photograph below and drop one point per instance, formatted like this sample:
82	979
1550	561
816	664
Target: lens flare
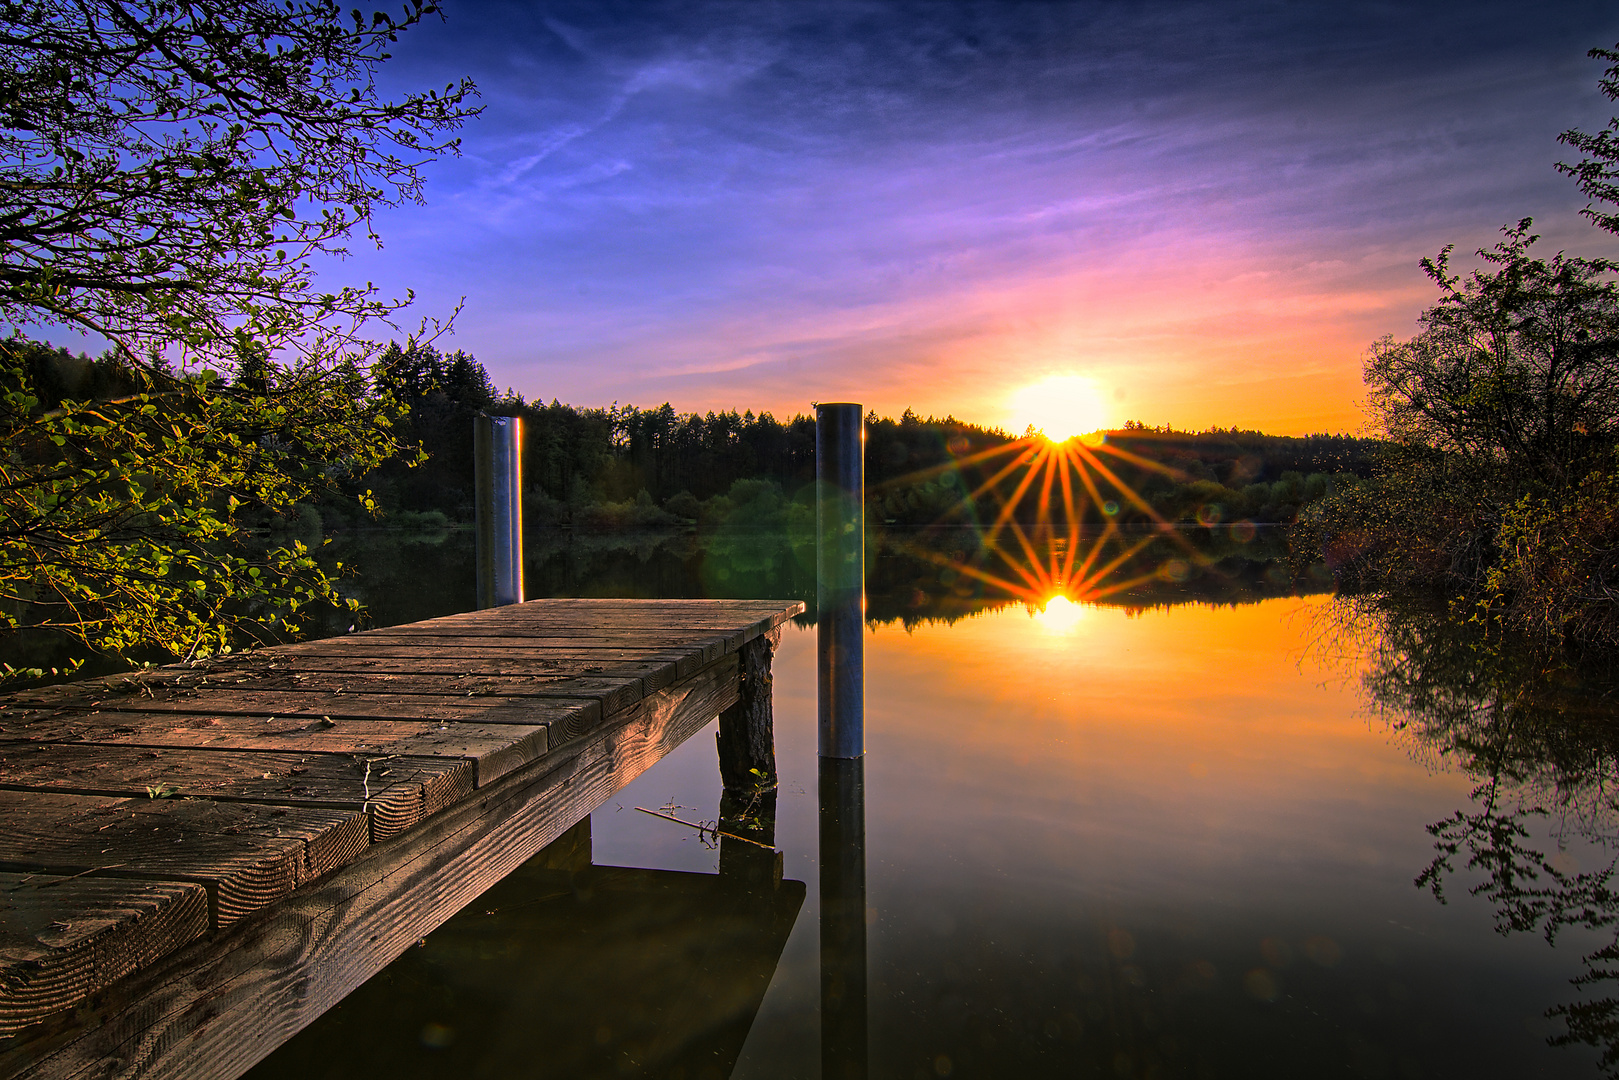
1057	527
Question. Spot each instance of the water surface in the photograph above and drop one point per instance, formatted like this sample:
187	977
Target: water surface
1168	841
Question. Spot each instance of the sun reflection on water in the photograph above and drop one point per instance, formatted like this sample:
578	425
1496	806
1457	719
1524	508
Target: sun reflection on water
1031	512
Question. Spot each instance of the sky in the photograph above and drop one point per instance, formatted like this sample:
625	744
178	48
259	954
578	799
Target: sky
1204	213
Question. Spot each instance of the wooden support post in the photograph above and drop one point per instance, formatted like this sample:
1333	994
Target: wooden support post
747	736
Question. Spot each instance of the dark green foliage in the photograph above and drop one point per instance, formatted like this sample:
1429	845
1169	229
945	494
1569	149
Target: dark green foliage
441	393
168	174
125	518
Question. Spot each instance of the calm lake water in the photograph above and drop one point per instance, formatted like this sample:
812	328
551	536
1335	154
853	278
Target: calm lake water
1175	841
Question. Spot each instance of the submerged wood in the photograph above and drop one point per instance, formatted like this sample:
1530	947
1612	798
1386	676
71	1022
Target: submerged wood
201	866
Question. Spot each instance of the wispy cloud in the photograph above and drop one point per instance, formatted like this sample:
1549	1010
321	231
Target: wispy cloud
1213	205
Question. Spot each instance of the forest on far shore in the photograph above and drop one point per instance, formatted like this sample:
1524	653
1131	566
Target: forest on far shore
625	466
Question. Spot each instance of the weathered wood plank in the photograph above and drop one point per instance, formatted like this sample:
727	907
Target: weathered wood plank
245	855
594	611
538	660
493	697
510	636
559	615
396	791
375	643
493	750
62	939
431	697
465	648
286	692
457	679
480	710
216	1007
665	666
504	675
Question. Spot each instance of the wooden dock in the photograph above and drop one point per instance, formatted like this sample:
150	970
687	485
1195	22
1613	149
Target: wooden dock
197	861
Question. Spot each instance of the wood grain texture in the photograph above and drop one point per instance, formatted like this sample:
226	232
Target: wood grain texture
396	791
480	679
594	612
735	621
344	706
614	688
62	939
245	855
494	750
501	675
502	638
216	1007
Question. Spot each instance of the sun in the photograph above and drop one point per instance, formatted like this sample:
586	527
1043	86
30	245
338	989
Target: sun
1061	406
1059	615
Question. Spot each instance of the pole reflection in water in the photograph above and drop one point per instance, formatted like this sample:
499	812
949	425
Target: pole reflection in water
840	629
843	918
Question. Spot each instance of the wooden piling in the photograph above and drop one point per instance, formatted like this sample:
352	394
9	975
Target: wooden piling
747	739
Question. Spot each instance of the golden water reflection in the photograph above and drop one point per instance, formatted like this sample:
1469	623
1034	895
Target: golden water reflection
1182	847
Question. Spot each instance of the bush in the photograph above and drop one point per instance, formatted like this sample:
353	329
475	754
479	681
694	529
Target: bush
1558	573
684	505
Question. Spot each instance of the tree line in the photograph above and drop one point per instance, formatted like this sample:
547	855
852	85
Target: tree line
624	465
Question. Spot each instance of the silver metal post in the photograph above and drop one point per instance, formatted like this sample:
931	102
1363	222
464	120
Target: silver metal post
497	443
840	481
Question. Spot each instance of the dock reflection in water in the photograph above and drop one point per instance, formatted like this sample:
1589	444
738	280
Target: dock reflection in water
568	969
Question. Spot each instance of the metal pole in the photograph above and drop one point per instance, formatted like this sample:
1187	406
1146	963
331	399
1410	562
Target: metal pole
840	481
497	443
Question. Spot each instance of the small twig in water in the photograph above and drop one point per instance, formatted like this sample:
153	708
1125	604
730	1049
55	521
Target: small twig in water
703	830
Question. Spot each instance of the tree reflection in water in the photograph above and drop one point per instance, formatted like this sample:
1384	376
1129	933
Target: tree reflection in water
1540	735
